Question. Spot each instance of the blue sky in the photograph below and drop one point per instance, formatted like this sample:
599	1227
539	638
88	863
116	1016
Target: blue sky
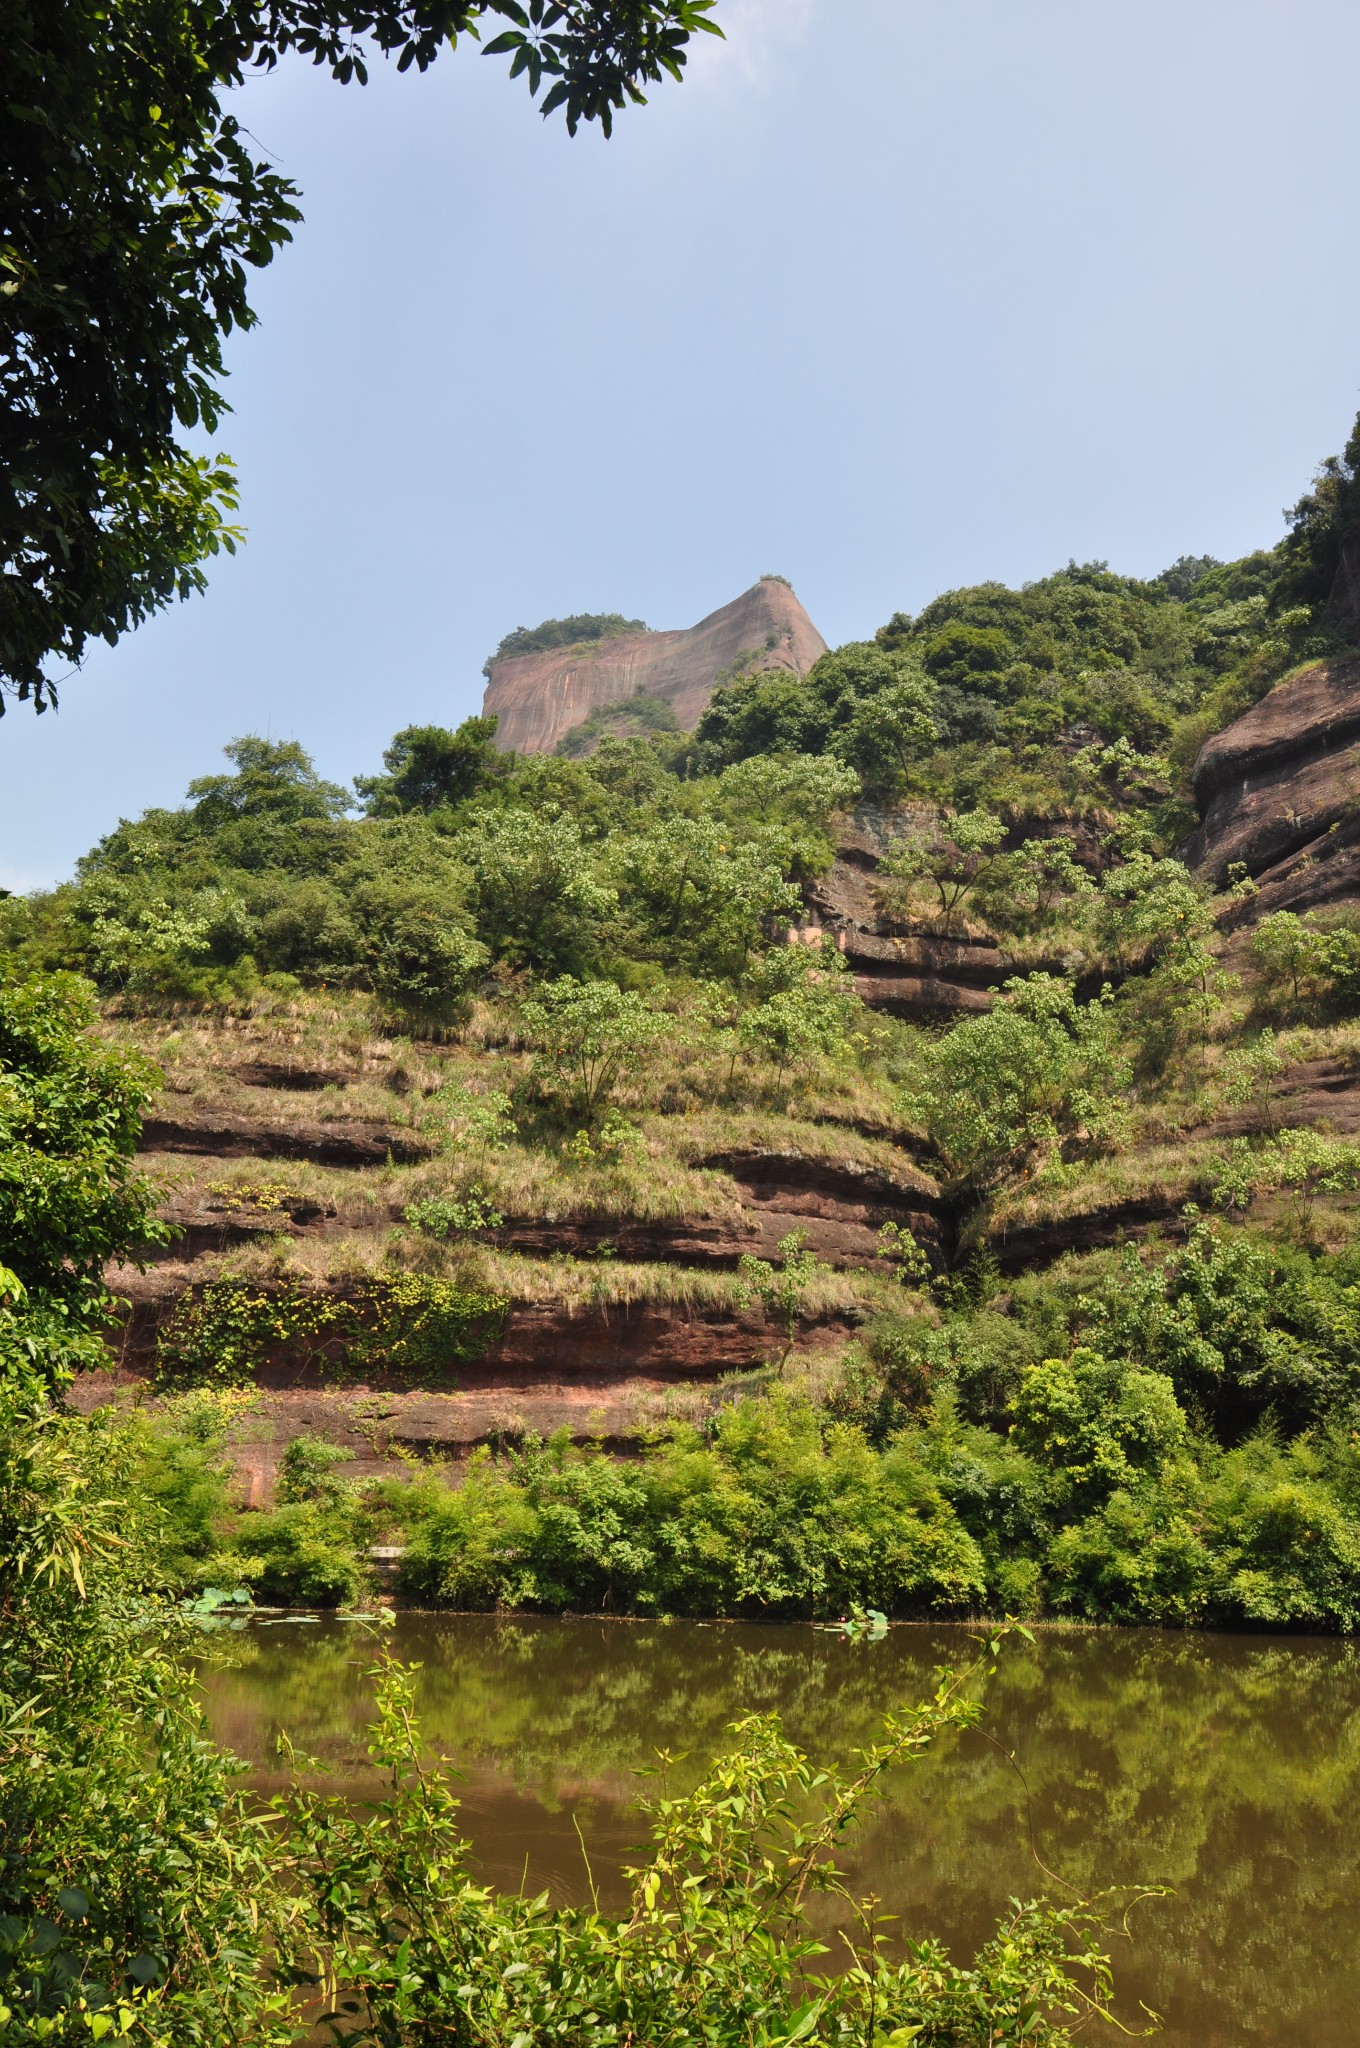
891	295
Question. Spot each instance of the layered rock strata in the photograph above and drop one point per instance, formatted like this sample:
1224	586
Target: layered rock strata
1276	793
604	1364
926	975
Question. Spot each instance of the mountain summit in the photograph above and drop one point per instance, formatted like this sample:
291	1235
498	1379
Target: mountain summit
539	698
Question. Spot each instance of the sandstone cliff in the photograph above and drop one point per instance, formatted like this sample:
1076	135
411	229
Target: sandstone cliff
929	976
538	698
1277	790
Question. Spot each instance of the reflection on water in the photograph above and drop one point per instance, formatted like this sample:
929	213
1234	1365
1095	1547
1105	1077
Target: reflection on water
1228	1767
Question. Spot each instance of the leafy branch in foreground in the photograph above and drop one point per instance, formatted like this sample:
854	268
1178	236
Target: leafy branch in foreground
132	204
398	1944
69	1199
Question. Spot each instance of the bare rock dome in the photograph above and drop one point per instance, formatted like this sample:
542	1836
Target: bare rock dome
538	698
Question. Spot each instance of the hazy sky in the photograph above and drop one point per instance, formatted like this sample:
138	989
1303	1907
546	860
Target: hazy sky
889	296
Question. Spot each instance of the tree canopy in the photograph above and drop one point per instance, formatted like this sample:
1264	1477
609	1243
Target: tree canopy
430	768
1320	524
132	205
568	632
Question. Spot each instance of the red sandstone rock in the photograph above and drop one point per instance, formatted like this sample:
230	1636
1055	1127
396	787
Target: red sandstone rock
538	698
351	1142
1276	786
540	1342
924	975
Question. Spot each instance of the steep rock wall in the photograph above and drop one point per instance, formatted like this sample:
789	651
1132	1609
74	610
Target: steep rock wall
928	976
538	698
1277	789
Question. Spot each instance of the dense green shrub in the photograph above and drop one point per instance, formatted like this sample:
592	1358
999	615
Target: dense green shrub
578	630
1003	1089
867	706
537	898
432	769
1242	1328
1289	1546
309	1470
1140	1557
696	894
421	960
1096	1426
306	1553
177	1467
70	1112
769	1516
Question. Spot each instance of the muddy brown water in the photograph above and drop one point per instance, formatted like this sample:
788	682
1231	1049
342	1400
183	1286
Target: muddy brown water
1227	1767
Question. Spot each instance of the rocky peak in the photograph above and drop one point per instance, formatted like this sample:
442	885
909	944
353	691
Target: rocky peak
538	698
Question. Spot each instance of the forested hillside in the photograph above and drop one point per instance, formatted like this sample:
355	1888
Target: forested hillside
856	1112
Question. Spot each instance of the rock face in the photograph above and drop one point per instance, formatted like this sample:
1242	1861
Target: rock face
1277	791
350	1143
538	698
927	977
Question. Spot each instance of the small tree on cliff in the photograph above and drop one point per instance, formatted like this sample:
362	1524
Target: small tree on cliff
948	858
588	1034
782	1289
1000	1091
796	1026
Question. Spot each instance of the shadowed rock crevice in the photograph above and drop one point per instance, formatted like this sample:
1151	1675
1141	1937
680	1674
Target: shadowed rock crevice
348	1143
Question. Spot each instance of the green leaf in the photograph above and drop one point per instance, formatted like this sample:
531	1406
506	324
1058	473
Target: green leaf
805	2019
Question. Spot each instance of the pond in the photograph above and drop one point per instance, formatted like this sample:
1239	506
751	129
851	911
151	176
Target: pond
1227	1767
